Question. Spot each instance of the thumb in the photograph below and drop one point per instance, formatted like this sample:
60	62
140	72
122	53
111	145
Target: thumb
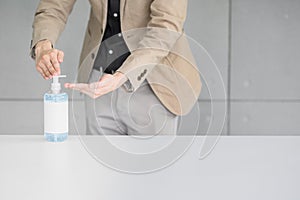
60	56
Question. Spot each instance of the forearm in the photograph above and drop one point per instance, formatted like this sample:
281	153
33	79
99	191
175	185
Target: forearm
49	21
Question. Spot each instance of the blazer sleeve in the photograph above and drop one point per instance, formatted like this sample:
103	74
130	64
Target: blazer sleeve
49	20
163	30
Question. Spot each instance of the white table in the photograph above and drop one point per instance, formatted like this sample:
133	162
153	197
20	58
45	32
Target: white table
239	168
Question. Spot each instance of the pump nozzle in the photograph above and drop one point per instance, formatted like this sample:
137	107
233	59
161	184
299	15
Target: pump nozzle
55	85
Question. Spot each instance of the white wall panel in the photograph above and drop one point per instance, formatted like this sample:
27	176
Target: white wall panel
206	118
265	49
207	24
265	118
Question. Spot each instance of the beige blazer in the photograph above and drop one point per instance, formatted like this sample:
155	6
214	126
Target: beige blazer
160	52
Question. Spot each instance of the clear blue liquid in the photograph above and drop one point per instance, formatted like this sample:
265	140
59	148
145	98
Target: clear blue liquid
50	137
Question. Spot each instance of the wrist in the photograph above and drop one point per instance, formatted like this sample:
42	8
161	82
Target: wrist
120	75
120	78
42	45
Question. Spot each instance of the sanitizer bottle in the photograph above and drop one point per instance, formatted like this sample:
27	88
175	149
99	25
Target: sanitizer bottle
56	123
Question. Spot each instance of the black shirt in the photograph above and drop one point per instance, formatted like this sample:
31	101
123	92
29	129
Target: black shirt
113	50
113	24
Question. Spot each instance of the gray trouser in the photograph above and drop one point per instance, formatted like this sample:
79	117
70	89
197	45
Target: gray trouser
124	113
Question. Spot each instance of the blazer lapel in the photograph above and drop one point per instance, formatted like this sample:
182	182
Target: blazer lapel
122	9
104	13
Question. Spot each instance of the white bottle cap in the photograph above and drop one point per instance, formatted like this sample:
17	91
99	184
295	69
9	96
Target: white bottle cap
55	85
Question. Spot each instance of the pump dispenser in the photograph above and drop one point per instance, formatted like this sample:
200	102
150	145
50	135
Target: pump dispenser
55	85
56	123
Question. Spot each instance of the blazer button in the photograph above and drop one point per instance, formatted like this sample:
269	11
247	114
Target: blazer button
93	55
139	78
145	71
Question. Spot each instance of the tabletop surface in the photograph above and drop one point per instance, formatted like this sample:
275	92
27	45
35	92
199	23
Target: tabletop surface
239	167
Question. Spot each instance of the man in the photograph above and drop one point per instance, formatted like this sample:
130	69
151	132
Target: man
149	77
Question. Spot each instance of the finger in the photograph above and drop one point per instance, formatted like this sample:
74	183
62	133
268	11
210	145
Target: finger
44	69
48	63
88	92
84	88
91	94
55	63
106	84
95	90
72	86
60	56
109	85
94	86
103	83
67	85
40	71
77	86
100	90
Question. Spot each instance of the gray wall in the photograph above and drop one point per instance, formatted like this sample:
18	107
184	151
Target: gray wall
254	43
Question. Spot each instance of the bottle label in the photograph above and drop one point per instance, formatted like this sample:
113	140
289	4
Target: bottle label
56	113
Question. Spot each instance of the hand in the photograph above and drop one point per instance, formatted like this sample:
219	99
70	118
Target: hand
106	84
48	59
